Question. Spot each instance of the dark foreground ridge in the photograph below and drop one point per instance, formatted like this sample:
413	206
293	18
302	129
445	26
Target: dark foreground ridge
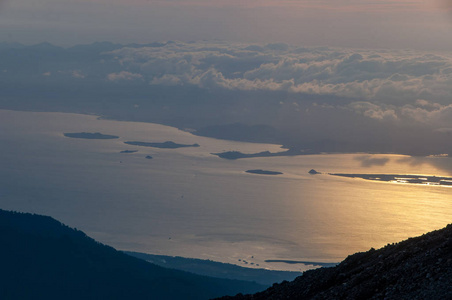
44	259
418	268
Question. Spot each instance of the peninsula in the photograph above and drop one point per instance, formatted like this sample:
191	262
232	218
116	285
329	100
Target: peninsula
414	179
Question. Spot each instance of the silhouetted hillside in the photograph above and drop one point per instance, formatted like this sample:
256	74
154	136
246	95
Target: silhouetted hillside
44	259
418	268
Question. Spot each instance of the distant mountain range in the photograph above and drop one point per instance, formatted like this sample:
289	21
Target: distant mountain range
418	268
43	259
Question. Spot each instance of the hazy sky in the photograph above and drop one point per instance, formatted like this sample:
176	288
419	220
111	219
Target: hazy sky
414	24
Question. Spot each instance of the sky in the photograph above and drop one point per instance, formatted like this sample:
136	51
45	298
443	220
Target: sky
402	24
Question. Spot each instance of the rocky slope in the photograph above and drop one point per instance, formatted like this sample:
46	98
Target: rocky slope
418	268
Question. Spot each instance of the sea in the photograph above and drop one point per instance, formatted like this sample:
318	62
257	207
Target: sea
188	202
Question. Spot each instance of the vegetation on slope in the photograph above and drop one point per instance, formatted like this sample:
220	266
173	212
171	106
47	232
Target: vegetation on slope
44	259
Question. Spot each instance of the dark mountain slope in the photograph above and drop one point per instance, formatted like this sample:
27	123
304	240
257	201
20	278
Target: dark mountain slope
418	268
44	259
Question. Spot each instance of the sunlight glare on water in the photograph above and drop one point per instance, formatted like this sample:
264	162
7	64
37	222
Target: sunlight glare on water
190	203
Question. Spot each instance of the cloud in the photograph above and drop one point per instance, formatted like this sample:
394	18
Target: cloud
374	111
403	88
366	75
124	75
369	161
77	74
323	5
444	130
398	87
321	98
421	112
438	116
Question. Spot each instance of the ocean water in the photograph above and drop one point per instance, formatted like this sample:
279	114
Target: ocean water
188	202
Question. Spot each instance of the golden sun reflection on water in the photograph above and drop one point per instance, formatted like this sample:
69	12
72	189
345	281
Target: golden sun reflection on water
210	207
350	215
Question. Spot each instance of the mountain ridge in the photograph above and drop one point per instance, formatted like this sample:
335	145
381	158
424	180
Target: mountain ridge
45	259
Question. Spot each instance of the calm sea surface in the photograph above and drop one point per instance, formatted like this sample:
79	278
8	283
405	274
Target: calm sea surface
190	203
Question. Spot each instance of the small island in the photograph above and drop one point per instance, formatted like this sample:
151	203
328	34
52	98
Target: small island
164	145
313	172
128	151
264	172
90	136
148	157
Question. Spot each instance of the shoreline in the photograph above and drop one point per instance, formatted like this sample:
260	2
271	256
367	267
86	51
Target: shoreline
291	151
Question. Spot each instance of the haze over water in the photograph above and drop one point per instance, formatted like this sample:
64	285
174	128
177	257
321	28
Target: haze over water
190	203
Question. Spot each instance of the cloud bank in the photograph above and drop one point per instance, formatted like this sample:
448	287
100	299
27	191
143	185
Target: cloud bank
386	76
379	84
328	99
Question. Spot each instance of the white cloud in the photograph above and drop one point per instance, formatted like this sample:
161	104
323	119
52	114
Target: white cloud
440	116
433	115
124	75
384	76
374	111
77	74
334	97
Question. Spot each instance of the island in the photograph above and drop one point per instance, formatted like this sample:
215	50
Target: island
128	151
164	145
237	154
148	157
313	172
263	172
90	136
413	179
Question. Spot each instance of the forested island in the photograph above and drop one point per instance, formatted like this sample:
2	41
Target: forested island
237	154
128	151
263	172
164	145
90	136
